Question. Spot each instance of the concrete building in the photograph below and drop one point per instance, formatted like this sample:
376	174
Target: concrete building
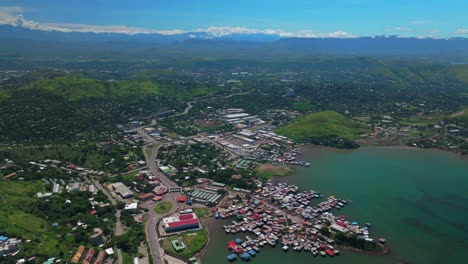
181	222
75	187
131	207
56	188
122	190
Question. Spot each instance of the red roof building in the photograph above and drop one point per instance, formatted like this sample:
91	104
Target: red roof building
157	198
181	222
146	196
186	216
181	199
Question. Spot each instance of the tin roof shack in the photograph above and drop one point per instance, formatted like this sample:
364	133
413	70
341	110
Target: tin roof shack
8	245
76	258
100	257
122	190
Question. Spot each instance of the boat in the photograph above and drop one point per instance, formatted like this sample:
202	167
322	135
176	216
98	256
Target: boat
246	256
285	248
232	257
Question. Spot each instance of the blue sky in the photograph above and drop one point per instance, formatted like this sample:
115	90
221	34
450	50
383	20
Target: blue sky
307	18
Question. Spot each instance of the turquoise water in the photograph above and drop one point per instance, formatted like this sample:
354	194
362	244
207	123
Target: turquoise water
416	199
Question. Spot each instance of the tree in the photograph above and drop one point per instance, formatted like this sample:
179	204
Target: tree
120	205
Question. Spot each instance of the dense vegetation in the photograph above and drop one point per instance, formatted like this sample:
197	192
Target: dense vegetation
49	223
67	108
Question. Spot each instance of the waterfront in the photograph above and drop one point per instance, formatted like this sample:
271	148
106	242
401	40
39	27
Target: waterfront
414	198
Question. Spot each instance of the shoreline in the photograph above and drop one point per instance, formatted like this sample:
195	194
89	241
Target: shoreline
208	223
386	251
309	146
305	149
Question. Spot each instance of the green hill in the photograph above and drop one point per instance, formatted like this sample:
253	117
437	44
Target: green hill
328	126
76	88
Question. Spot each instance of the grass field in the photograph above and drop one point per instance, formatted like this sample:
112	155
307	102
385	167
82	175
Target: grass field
126	258
461	115
322	124
269	171
202	212
193	241
163	207
16	222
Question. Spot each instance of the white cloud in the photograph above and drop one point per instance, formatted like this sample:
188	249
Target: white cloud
14	16
400	29
461	31
226	31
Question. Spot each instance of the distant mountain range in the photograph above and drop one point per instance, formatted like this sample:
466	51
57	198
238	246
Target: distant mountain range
18	41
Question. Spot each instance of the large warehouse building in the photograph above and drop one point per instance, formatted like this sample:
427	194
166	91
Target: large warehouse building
180	222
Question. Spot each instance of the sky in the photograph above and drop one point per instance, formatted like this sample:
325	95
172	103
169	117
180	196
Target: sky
287	18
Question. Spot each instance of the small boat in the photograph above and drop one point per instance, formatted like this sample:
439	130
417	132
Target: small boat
232	257
285	248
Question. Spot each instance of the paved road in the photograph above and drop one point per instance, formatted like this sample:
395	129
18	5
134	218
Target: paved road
153	219
151	153
118	226
186	110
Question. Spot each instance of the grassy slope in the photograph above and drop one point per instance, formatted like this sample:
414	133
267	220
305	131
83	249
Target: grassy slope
322	124
90	159
18	223
461	115
75	88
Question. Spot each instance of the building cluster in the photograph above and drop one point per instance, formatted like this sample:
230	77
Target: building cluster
239	118
280	214
89	257
9	246
206	196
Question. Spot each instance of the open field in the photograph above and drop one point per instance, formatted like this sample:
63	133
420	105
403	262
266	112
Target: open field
15	221
193	241
322	124
269	171
202	212
461	115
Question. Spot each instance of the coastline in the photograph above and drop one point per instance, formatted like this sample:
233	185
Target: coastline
208	223
309	147
386	251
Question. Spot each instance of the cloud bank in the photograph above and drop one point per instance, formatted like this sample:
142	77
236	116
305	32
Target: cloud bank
13	16
461	31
